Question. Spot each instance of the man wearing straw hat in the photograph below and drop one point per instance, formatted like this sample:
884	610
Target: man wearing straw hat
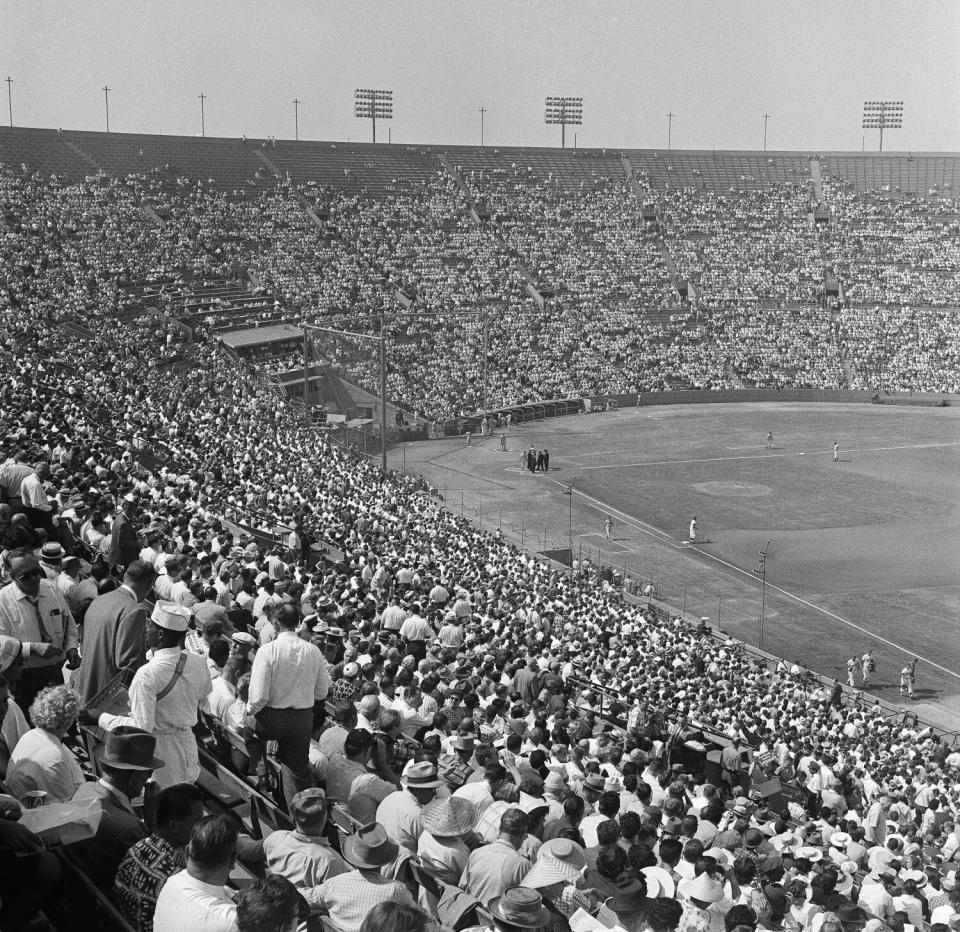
441	849
350	897
165	694
401	813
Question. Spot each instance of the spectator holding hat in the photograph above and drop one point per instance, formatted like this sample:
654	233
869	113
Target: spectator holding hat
165	695
304	855
349	897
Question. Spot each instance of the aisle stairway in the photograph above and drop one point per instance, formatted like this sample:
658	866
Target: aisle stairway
817	178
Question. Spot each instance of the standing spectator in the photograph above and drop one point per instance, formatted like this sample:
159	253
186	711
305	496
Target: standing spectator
124	544
36	505
165	695
289	676
33	611
114	632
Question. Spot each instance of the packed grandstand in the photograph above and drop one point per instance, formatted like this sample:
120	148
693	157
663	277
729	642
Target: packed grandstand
485	739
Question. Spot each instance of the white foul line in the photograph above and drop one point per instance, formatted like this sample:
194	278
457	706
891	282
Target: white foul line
766	456
667	539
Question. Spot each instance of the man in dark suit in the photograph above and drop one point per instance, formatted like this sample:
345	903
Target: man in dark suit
126	763
124	544
114	632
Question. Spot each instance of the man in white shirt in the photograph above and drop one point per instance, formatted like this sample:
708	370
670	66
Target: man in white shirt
197	898
289	677
482	792
33	611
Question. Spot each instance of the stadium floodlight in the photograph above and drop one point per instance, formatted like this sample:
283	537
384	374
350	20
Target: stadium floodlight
565	111
881	115
372	104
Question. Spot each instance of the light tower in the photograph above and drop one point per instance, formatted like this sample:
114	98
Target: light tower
372	104
566	111
881	115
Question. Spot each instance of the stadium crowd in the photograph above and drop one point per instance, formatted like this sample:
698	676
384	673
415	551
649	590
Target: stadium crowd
427	684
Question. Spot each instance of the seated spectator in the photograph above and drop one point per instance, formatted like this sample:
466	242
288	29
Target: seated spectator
494	867
350	782
28	873
152	860
197	897
442	850
351	896
126	764
40	762
304	856
270	905
401	813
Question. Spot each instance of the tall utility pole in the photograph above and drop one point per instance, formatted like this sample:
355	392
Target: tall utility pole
296	119
203	122
10	98
564	111
383	394
761	571
482	111
766	117
106	104
670	117
373	104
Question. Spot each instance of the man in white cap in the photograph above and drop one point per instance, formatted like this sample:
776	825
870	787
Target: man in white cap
165	694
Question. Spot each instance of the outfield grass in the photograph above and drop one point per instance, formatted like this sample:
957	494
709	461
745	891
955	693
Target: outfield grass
864	553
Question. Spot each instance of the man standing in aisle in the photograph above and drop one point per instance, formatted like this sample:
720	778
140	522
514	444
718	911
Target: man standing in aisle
115	627
289	677
165	695
124	545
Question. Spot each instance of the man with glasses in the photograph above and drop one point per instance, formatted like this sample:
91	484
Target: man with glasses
33	611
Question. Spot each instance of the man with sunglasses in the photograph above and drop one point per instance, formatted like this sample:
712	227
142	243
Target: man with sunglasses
33	611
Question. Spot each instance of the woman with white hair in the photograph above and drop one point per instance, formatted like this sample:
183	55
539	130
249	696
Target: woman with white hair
40	762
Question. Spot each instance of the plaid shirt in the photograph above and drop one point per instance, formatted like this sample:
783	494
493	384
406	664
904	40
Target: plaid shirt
350	897
453	770
141	876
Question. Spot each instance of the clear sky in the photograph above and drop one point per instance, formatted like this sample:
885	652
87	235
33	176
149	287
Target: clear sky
717	65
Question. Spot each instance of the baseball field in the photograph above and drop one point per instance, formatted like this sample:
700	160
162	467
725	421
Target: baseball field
863	553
